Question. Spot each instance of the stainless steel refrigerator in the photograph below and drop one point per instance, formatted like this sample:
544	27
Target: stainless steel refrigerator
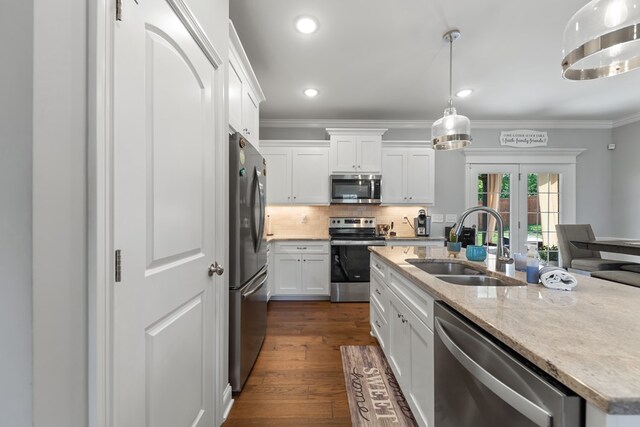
248	258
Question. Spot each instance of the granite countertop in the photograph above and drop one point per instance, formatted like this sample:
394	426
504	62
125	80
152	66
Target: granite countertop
587	338
427	238
284	237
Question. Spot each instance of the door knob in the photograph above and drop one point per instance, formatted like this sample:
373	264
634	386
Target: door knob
215	268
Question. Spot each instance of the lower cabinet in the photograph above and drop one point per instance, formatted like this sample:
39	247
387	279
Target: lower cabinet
301	268
408	343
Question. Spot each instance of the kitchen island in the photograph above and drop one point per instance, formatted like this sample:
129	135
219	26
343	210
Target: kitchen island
587	339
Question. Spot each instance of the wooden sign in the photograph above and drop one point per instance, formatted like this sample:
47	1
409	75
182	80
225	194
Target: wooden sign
523	138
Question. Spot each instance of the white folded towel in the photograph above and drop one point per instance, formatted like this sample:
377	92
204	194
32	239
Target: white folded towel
557	278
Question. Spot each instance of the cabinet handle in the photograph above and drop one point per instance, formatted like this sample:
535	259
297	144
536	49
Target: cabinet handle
298	260
304	260
399	315
410	198
378	266
378	324
288	197
294	197
404	320
378	291
354	166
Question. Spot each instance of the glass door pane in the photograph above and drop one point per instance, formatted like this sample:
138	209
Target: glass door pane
494	186
546	206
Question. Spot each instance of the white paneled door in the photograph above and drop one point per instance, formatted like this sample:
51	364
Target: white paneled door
164	168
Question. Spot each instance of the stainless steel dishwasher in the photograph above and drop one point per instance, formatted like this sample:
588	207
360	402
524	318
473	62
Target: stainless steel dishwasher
479	383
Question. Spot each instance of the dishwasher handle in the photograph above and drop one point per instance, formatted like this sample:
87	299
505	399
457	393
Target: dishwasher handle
533	412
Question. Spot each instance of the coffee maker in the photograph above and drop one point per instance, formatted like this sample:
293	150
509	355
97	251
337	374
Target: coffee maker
422	224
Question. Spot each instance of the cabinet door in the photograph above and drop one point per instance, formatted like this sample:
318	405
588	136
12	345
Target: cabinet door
310	177
315	274
288	274
399	341
343	154
393	177
369	154
250	117
421	392
278	175
420	176
235	97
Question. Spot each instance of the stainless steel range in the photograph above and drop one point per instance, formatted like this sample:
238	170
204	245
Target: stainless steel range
350	238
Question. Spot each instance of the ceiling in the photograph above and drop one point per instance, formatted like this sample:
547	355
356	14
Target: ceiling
386	60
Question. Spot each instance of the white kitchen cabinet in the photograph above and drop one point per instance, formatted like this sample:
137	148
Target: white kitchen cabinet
297	175
408	175
406	338
301	268
354	151
245	94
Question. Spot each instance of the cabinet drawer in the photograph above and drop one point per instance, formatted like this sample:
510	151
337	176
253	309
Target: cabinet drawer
416	299
378	325
378	290
379	267
302	246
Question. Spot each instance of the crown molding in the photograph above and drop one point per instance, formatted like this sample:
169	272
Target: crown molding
235	45
626	120
426	124
516	155
273	143
356	131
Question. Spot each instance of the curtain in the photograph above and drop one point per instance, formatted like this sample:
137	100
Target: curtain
549	199
494	189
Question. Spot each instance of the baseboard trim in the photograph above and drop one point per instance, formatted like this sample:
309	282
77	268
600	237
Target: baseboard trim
300	298
227	402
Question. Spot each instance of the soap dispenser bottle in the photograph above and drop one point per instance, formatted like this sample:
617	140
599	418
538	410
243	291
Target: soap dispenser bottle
533	264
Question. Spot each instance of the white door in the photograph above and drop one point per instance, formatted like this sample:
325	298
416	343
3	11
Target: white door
393	176
315	274
164	168
532	199
369	154
235	97
278	175
310	180
288	274
420	176
344	154
495	186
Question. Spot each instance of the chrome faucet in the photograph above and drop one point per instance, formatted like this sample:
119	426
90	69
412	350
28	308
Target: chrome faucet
502	254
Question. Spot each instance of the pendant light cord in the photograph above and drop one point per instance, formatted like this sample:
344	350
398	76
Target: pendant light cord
450	71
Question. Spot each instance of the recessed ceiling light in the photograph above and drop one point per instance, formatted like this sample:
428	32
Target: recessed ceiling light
311	92
464	93
306	24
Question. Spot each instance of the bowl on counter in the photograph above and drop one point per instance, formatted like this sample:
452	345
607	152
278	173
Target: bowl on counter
476	253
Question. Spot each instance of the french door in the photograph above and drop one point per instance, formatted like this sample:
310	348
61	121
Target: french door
531	199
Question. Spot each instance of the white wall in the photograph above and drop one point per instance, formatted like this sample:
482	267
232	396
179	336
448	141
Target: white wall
626	181
16	51
594	168
59	214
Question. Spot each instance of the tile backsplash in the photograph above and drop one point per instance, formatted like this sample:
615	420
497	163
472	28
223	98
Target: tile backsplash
313	221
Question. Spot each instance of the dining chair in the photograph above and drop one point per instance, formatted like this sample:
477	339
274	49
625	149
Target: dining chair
582	260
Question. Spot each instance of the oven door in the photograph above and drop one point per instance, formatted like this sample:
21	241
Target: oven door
350	270
355	189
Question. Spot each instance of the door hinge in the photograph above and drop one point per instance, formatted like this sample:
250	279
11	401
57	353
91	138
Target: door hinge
118	10
518	225
519	176
118	265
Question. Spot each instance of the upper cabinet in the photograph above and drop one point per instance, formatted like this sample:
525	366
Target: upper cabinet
408	175
355	151
297	174
245	94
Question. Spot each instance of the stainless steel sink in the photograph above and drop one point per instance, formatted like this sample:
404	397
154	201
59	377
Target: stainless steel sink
444	268
476	281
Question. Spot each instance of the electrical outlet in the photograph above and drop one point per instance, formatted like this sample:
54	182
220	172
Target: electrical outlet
451	218
437	218
304	219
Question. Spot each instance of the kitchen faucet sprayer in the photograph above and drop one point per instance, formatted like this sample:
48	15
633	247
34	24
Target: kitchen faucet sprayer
502	254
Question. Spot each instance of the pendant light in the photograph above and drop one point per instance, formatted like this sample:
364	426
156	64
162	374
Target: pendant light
602	39
452	131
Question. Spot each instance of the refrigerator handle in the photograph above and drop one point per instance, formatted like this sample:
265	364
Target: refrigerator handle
533	412
260	235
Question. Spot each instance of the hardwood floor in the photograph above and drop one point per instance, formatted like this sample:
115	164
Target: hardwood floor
297	379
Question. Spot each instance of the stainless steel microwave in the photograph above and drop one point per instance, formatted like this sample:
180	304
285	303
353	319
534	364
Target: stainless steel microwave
355	188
